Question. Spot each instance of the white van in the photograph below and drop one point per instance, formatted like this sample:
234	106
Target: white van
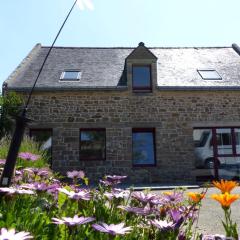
204	148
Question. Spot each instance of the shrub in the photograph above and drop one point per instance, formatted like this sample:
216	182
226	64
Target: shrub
10	106
28	146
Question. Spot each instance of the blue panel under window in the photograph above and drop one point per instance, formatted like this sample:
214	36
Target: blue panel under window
143	148
141	77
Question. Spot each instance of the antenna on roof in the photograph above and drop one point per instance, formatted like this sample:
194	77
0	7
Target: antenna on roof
21	121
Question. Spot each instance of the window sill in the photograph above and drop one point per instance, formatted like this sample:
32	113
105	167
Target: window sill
144	165
142	90
97	159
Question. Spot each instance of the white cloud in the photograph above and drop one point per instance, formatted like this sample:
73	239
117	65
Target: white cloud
82	4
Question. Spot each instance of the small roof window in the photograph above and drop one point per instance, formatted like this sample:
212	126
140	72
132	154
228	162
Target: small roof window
71	75
209	74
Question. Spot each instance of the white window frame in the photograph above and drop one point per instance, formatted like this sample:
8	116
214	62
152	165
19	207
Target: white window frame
209	70
62	79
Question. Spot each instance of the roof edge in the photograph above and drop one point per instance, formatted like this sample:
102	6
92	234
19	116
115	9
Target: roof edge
198	88
56	89
72	47
124	88
23	64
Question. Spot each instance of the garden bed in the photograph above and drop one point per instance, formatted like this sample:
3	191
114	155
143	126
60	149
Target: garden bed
40	205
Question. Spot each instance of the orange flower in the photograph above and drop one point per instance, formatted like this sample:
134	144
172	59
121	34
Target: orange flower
225	186
196	197
167	193
225	199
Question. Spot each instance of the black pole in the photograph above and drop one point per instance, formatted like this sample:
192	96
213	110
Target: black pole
21	123
9	167
215	153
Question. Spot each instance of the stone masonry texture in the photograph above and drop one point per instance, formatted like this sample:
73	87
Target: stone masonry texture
173	114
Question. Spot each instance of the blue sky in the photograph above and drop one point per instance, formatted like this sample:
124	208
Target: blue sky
115	23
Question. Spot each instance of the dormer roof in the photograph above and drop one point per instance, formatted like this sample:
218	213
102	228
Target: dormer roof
141	52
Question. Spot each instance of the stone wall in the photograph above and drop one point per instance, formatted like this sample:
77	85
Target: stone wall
173	114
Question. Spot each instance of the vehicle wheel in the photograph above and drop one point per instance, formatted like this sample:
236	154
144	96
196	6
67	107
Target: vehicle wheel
209	163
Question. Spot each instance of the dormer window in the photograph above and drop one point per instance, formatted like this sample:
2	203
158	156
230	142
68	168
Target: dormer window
141	78
70	75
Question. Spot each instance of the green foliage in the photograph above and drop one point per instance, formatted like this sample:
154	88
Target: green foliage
24	212
229	226
34	213
28	145
10	106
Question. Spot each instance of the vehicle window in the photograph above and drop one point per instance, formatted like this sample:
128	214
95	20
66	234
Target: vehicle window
224	139
204	139
237	136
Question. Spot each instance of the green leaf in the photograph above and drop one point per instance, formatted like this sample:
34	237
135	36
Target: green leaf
62	198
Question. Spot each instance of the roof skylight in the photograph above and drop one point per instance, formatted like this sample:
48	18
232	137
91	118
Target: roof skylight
71	75
209	74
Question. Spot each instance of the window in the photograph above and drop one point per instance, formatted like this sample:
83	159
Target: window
209	74
141	78
70	75
237	136
224	141
218	153
93	144
143	141
44	138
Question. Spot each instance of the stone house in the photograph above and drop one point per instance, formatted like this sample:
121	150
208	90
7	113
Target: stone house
140	112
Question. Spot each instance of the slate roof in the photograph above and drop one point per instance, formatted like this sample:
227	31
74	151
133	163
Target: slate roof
102	68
